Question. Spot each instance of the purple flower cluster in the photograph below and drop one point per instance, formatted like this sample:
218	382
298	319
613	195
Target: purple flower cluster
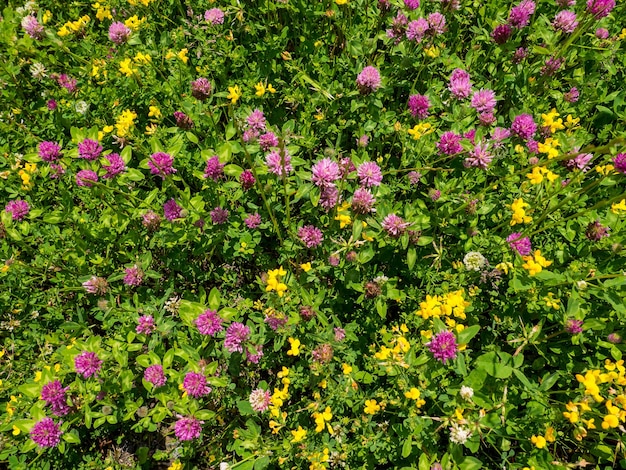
256	120
151	220
363	201
145	325
196	385
443	346
524	126
279	164
368	80
252	221
565	21
86	178
201	88
267	141
133	276
521	13
596	231
214	16
394	225
600	8
161	164
573	326
18	209
325	172
418	105
436	23
49	151
484	101
119	32
96	285
310	235
619	162
519	244
369	174
460	85
247	180
236	334
450	143
53	394
154	374
479	157
89	149
260	400
183	121
172	210
214	169
115	167
209	323
417	29
219	216
187	428
66	82
501	33
87	364
46	433
32	27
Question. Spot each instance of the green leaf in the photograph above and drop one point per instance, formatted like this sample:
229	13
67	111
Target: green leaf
192	137
244	407
31	390
467	334
411	257
204	415
233	170
214	299
72	437
407	447
470	463
189	311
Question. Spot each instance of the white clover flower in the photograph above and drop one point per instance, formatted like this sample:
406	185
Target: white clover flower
38	70
466	393
459	435
82	107
474	261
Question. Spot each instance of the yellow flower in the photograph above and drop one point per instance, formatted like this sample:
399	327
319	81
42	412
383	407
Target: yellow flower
169	55
151	129
16	431
37	376
141	58
298	434
383	354
260	89
536	177
622	35
341	2
549	147
306	267
420	130
371	407
321	420
134	22
549	121
271	89
519	213
175	466
539	441
610	421
234	93
551	301
549	435
432	52
182	55
47	16
412	394
618	207
605	169
347	368
126	67
295	347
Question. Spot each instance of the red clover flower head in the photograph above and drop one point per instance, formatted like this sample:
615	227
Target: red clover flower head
96	285
310	235
417	29
501	33
53	394
600	8
87	364
524	126
325	172
188	428
49	151
236	334
119	32
368	80
196	385
46	433
247	179
450	143
214	169
260	400
484	100
565	21
369	174
460	85
18	209
437	23
145	325
151	220
32	27
619	162
256	120
268	140
252	221
214	16
89	149
161	164
443	346
279	164
418	105
394	225
201	88
133	276
519	244
86	178
209	323
363	201
521	13
573	326
154	374
115	167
